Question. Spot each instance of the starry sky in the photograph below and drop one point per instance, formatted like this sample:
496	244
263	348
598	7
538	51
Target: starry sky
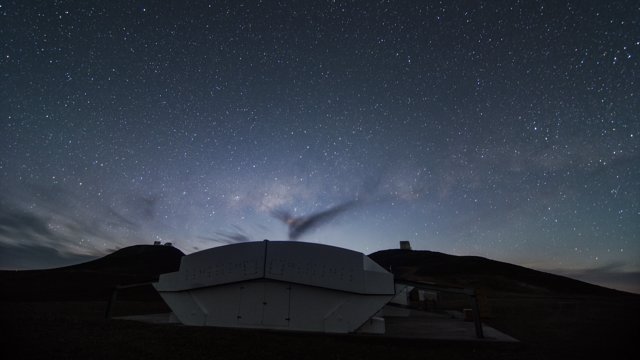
504	129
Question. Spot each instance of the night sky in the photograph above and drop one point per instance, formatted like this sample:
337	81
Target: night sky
504	129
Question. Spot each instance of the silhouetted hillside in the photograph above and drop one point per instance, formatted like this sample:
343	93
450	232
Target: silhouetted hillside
93	280
137	260
479	272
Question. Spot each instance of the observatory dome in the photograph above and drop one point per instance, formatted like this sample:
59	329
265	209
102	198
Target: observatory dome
278	285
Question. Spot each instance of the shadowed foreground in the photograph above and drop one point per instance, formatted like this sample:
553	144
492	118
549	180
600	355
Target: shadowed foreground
60	314
76	330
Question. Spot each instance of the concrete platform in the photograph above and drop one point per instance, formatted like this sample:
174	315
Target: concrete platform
418	325
439	326
162	318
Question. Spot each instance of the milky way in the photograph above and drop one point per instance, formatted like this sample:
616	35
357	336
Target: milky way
502	129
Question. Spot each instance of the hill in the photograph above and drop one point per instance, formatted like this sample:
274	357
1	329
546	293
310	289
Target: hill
93	280
479	272
60	313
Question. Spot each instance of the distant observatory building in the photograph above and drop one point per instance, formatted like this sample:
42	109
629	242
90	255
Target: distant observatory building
405	245
279	285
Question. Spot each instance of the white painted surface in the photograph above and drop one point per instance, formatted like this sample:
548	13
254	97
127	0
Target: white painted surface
275	305
278	285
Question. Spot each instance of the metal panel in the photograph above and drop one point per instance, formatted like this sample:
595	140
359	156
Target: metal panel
323	266
276	304
317	309
221	303
354	311
221	265
293	285
304	263
271	304
185	308
309	307
250	303
377	280
402	295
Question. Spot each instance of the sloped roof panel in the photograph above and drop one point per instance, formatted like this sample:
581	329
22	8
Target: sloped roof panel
296	262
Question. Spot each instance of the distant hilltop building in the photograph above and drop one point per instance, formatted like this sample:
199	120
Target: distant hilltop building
160	243
405	245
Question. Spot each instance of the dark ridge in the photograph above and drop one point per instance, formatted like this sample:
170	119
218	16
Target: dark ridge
93	280
136	259
479	272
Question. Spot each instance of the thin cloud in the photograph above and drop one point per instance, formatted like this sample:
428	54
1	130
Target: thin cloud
57	220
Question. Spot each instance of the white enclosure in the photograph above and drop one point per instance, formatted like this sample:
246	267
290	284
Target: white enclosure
279	285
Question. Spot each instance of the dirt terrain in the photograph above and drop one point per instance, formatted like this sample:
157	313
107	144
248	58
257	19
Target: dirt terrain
575	323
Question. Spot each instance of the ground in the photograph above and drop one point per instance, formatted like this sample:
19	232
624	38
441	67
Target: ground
548	327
